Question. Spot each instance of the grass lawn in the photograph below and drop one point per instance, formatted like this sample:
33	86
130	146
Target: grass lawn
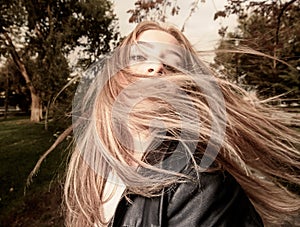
21	144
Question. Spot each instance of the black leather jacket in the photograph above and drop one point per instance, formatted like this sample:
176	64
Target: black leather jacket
217	201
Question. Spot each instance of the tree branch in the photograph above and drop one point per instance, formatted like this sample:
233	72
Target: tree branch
193	9
17	59
44	156
285	6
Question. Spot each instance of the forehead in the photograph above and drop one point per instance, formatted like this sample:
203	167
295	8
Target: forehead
157	36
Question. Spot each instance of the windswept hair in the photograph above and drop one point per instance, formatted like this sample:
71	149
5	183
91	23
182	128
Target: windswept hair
190	114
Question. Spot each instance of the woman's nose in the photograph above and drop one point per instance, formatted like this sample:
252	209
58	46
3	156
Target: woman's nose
155	68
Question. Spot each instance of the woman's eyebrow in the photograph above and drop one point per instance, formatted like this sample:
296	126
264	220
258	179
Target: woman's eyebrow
168	50
174	52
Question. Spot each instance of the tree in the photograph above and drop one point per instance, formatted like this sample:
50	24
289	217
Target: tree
13	88
152	10
271	30
39	35
157	10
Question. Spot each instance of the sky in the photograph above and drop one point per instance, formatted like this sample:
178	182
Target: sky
200	29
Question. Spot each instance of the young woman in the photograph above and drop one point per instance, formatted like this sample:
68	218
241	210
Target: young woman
161	141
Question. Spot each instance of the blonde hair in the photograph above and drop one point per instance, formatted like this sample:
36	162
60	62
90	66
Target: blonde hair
255	147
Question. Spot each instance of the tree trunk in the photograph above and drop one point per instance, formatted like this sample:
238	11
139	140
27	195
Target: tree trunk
47	114
6	95
36	106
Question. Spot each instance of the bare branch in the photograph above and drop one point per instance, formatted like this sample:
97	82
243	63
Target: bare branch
43	157
285	6
193	10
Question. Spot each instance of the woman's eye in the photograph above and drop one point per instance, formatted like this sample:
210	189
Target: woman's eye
138	58
170	69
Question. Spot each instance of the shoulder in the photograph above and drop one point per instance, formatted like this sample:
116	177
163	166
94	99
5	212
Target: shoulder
216	199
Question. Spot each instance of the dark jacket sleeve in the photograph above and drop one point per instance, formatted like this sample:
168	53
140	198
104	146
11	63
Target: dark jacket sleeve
217	201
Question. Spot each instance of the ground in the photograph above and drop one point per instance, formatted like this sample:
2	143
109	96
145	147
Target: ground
21	144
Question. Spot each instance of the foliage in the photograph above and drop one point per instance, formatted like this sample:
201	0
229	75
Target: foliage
271	32
158	10
12	83
152	10
40	35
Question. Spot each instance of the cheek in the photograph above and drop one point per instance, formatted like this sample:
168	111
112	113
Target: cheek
138	68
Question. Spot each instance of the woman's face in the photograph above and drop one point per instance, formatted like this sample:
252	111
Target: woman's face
155	52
